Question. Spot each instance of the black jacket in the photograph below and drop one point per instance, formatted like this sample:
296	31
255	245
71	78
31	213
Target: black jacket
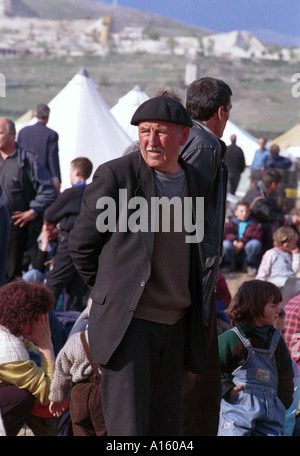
116	265
234	159
44	142
263	207
66	208
205	151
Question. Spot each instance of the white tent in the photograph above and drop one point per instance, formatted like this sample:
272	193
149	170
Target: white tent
125	108
85	125
289	142
244	140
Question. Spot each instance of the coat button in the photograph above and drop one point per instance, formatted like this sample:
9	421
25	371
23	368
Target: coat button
143	283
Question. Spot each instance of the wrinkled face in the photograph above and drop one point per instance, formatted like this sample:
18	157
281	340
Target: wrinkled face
160	144
242	213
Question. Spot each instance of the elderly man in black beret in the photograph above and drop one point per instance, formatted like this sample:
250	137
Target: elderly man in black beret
144	274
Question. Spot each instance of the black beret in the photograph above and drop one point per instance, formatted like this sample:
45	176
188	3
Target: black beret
162	108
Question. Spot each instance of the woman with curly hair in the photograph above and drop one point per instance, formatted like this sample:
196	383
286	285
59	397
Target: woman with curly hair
24	325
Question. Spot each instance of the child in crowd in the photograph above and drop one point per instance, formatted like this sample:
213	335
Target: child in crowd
77	376
256	367
282	262
291	413
242	241
63	277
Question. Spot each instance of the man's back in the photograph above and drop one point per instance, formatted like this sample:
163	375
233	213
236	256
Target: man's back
234	159
44	142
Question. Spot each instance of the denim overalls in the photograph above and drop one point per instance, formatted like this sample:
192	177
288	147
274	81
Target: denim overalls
256	410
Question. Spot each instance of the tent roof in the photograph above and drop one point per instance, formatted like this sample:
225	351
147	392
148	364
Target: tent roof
26	117
291	138
124	109
244	140
85	125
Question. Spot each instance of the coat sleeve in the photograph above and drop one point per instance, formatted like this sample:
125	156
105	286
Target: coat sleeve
45	192
53	156
86	241
265	267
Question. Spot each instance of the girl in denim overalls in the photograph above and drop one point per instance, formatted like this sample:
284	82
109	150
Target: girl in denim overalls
256	367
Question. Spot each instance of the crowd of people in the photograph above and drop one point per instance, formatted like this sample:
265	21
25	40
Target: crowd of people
111	324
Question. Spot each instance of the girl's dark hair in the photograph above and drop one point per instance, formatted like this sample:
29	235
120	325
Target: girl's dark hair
22	302
250	300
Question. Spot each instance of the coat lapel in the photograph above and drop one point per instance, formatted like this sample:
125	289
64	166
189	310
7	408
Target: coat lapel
146	190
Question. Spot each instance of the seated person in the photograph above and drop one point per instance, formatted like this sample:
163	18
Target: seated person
264	208
63	277
242	240
24	325
282	262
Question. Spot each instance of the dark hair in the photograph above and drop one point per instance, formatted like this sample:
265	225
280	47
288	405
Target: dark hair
205	96
42	111
274	149
22	302
270	176
250	300
84	166
242	203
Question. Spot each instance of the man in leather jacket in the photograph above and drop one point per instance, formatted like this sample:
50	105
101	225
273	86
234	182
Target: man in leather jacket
208	103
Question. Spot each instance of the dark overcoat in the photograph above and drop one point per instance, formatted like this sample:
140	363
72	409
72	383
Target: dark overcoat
117	264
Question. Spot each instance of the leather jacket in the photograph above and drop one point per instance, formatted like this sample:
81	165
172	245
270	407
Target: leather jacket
205	151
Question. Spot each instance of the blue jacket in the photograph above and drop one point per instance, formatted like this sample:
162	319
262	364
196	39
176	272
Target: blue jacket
278	162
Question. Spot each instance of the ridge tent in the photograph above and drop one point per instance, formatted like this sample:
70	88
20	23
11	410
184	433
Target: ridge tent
126	106
85	125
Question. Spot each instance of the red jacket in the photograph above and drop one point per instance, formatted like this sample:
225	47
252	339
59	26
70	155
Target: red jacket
252	231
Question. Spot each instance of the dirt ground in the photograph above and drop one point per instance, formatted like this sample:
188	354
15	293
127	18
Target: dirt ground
234	279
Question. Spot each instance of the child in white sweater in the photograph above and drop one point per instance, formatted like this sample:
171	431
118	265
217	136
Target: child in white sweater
282	262
78	378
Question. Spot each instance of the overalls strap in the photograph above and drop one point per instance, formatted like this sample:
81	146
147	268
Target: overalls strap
245	341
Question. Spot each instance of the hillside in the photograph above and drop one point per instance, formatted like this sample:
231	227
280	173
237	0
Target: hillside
79	9
262	99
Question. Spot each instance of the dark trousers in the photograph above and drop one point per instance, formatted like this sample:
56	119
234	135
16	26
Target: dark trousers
64	277
4	240
16	248
142	383
233	182
16	406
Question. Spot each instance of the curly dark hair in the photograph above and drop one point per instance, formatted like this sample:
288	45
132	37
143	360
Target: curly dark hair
22	302
250	300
